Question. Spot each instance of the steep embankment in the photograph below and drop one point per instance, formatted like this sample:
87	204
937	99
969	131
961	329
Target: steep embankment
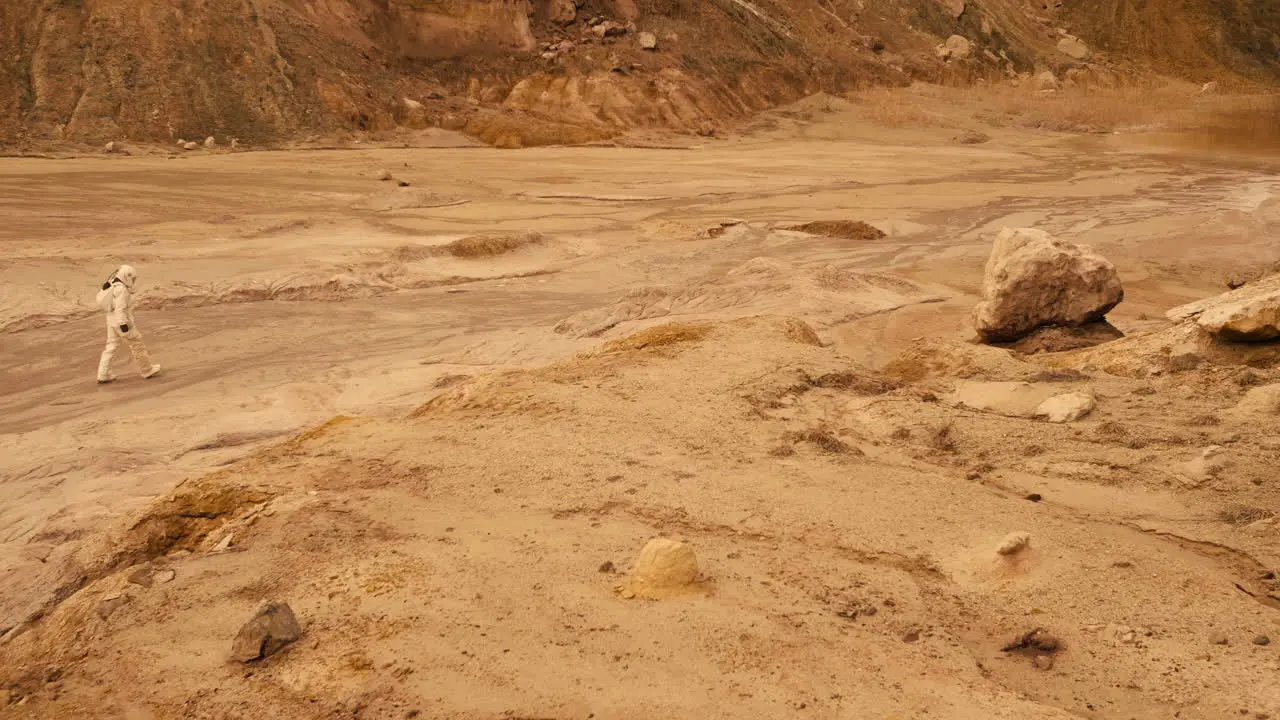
544	71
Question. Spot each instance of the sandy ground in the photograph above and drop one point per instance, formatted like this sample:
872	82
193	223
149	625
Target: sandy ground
795	426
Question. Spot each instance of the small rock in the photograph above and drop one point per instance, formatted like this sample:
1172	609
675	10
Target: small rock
1047	81
1074	48
1014	543
181	142
648	41
1217	637
210	142
235	143
164	576
1044	662
665	567
563	12
957	47
384	175
1262	640
1034	497
271	629
403	183
191	146
911	636
607	566
608	28
1066	408
1209	88
224	544
141	576
109	147
971	137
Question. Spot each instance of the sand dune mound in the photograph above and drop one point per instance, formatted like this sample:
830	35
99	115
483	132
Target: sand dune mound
823	296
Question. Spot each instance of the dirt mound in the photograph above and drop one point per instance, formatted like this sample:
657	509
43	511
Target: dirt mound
843	229
482	246
822	296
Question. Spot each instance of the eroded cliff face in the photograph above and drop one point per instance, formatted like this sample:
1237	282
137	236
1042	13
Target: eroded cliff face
534	71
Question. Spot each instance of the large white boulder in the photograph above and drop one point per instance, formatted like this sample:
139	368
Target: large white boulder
1248	314
1034	279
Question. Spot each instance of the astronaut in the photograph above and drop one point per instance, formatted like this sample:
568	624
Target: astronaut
116	298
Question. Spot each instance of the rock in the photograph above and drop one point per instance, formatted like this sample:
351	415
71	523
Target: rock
954	8
665	567
39	552
606	566
1206	466
164	576
971	137
1044	662
911	636
648	41
1073	48
1050	339
1033	279
1262	400
1217	637
190	146
181	142
563	12
1047	81
109	147
272	627
110	604
957	47
224	544
1209	88
141	576
210	142
384	175
1066	408
1262	640
1014	543
609	28
1250	313
235	143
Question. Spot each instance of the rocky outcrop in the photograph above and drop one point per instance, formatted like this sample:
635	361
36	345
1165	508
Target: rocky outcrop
1033	279
1250	313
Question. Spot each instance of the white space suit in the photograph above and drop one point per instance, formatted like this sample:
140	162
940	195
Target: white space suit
116	298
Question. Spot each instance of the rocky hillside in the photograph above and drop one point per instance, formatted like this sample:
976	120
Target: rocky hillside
546	71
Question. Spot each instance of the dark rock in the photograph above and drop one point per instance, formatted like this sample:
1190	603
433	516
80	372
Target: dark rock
1262	640
271	629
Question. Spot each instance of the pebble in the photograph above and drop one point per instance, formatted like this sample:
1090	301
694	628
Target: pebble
1014	543
1262	640
1217	637
1044	662
1034	497
607	566
384	175
911	636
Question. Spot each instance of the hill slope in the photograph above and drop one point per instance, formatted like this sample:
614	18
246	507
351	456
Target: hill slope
264	71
